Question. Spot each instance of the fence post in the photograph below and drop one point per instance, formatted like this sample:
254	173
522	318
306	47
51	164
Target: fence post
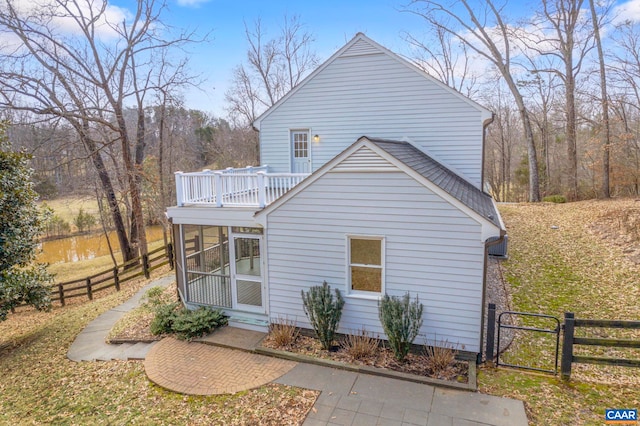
567	346
61	293
116	278
491	332
170	254
145	265
89	292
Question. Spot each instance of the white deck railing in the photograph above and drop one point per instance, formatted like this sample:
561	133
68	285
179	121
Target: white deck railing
247	187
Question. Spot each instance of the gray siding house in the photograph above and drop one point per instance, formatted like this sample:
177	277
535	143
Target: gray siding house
371	180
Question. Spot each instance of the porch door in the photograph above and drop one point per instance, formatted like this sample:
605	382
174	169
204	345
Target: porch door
247	289
300	152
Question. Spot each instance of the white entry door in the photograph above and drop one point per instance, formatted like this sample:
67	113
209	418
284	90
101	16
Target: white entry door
247	287
300	152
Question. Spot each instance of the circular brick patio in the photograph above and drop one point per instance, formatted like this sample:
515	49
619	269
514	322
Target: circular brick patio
200	369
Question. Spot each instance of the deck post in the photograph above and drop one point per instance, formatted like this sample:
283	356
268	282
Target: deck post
262	196
567	346
218	187
179	189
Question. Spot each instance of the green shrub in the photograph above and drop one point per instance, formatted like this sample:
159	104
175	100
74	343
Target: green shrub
401	320
156	296
186	324
555	199
323	312
189	324
165	315
57	226
84	221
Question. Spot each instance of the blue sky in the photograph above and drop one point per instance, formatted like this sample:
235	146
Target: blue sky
332	22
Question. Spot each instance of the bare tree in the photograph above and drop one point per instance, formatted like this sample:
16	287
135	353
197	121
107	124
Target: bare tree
484	30
560	31
84	61
604	101
274	66
446	59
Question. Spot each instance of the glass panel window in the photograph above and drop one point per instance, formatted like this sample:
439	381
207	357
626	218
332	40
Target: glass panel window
366	264
300	144
247	256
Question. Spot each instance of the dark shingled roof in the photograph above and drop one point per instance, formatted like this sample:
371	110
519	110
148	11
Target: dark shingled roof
477	200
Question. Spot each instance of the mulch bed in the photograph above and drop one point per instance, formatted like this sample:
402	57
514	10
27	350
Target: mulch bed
414	363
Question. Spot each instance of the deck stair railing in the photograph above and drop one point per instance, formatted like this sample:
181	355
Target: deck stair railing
246	187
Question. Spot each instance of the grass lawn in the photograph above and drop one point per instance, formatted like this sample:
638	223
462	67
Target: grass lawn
41	386
571	258
69	207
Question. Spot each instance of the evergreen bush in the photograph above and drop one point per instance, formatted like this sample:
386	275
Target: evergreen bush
165	315
189	324
401	320
84	221
323	312
186	324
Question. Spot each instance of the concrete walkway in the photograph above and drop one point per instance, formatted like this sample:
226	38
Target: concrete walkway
360	399
90	343
224	362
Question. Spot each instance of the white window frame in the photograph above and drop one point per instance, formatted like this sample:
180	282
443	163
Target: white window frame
292	156
361	293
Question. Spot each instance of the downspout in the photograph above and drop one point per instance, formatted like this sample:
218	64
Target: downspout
487	244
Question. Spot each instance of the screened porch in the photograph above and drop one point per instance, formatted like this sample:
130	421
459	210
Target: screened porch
215	273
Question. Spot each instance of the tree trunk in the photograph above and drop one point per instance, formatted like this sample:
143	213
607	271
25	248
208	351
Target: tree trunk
605	104
128	251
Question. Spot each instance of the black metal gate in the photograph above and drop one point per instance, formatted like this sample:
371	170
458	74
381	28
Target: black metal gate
502	324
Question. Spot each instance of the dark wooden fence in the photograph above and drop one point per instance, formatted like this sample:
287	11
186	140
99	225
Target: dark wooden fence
571	323
114	277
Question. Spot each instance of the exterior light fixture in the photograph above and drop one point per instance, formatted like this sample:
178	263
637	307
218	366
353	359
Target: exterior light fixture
316	138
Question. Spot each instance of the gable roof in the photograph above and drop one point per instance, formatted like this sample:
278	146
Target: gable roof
363	45
459	188
409	159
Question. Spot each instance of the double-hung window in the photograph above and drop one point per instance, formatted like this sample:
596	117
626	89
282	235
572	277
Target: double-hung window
365	258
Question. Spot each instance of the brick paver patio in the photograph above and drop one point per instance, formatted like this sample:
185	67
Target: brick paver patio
199	369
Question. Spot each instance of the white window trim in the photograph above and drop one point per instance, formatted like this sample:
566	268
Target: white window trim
359	293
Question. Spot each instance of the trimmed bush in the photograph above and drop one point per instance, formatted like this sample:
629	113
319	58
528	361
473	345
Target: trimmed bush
555	199
401	320
323	312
